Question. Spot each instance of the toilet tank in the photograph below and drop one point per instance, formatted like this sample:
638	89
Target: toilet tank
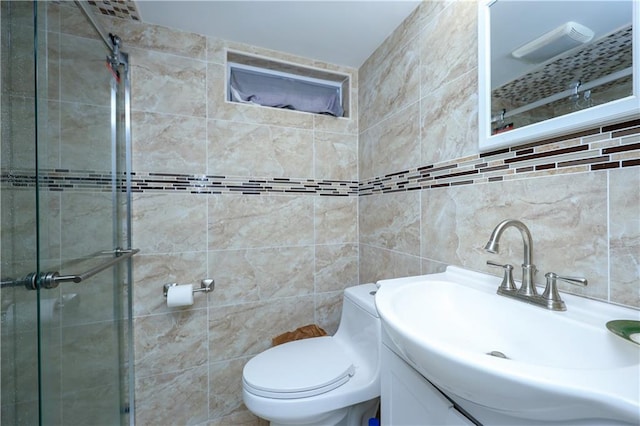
359	328
364	297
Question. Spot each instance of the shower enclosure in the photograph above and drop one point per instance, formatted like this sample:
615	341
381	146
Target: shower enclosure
65	297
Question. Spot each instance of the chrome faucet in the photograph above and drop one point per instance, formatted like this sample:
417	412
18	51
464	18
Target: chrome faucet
528	287
550	298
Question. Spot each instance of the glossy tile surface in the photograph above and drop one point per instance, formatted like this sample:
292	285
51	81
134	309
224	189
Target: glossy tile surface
282	255
578	194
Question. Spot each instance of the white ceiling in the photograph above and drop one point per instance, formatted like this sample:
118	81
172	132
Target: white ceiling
334	31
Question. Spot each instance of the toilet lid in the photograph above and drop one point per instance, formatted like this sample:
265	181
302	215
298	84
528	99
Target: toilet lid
298	369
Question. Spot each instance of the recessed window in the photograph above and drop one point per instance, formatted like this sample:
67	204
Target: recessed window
263	82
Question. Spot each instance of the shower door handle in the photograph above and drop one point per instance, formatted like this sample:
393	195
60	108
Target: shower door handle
50	280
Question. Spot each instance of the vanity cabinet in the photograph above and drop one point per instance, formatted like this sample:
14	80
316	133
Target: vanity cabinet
408	399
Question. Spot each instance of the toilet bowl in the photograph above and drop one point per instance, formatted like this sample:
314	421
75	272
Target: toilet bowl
330	380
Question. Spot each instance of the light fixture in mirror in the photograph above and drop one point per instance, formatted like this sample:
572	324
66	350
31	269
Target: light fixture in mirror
548	68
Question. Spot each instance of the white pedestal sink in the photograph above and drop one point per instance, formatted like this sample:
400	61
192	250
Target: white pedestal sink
500	356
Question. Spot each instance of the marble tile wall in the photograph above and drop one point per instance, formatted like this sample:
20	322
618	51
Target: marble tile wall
429	200
282	254
237	193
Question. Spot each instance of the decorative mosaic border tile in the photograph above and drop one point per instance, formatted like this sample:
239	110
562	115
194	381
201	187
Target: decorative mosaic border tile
595	149
75	180
598	59
223	184
125	9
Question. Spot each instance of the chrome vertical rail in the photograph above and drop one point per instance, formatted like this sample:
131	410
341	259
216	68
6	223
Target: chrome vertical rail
119	62
128	172
112	62
128	145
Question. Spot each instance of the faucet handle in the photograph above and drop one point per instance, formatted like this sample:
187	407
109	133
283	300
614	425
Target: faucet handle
551	294
507	280
571	280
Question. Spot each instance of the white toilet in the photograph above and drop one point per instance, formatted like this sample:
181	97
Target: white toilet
330	380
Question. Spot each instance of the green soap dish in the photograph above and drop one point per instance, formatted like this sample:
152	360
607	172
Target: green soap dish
627	329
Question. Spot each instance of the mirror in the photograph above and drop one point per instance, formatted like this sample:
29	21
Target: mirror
548	68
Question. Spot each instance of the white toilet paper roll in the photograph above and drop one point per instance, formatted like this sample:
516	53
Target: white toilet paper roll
180	295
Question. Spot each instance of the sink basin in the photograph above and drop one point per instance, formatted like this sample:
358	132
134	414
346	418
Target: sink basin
510	357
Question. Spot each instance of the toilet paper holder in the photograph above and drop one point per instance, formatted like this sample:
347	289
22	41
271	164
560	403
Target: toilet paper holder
206	285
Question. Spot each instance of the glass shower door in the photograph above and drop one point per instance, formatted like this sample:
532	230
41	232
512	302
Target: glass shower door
18	245
65	345
88	341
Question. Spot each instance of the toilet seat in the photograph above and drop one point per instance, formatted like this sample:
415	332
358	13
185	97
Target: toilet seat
320	365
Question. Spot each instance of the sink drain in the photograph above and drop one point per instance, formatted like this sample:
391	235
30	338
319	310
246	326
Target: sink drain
497	354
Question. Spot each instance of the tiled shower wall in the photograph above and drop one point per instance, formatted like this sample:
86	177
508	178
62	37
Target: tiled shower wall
262	200
428	199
